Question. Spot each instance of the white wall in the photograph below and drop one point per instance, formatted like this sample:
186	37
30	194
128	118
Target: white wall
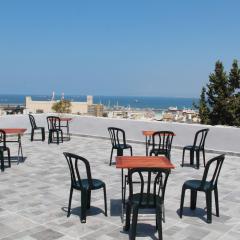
226	139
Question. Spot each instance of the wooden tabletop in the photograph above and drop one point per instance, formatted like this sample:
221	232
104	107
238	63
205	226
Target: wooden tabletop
149	133
65	119
14	130
143	162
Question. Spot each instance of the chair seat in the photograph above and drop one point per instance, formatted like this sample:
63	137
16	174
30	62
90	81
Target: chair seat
38	128
146	202
159	151
191	147
3	148
55	130
122	146
96	184
196	184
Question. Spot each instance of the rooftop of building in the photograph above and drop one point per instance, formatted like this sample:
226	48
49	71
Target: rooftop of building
34	197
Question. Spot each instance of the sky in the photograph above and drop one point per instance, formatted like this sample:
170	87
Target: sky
115	47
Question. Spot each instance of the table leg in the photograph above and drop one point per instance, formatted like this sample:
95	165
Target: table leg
20	148
146	139
68	134
2	161
122	202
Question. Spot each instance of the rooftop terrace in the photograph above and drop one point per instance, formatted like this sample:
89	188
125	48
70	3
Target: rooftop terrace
34	197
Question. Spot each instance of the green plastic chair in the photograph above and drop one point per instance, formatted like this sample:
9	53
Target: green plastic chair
204	186
150	194
85	185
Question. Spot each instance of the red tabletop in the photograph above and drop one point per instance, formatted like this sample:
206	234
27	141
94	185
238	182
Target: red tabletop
149	133
143	162
14	130
65	119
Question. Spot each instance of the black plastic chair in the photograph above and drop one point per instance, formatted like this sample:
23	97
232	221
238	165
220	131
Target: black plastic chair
54	126
85	185
204	186
35	127
118	140
162	143
149	195
198	146
4	148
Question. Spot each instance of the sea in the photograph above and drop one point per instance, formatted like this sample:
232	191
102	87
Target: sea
155	103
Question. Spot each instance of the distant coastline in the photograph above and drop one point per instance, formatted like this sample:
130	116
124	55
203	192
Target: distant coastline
135	102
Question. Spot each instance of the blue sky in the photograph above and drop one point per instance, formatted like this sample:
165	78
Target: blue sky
115	47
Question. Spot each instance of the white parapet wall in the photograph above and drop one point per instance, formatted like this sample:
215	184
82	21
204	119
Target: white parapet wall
220	138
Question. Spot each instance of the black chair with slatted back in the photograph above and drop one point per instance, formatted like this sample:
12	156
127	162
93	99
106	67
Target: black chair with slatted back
162	143
54	127
118	140
150	194
206	186
35	127
85	185
3	148
198	146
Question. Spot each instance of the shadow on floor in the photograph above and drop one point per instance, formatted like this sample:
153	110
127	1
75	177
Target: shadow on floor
144	230
197	213
115	207
90	212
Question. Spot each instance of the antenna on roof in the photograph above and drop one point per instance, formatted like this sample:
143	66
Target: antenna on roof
53	96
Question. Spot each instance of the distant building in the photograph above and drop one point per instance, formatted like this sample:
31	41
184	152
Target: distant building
76	107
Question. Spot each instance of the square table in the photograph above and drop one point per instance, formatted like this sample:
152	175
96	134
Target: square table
127	162
148	135
66	120
18	132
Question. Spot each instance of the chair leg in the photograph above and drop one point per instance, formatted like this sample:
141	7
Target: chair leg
105	199
131	151
9	158
163	212
193	199
197	159
209	206
111	157
128	215
119	152
43	134
61	136
134	222
216	201
183	156
49	137
125	186
2	161
88	199
203	151
70	201
182	201
83	206
191	157
57	137
159	221
32	134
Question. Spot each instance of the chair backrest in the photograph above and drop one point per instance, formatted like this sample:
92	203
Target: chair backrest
32	121
117	136
53	123
74	162
151	188
200	137
162	141
3	137
218	161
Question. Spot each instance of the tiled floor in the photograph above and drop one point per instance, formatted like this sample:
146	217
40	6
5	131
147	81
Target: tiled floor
34	197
